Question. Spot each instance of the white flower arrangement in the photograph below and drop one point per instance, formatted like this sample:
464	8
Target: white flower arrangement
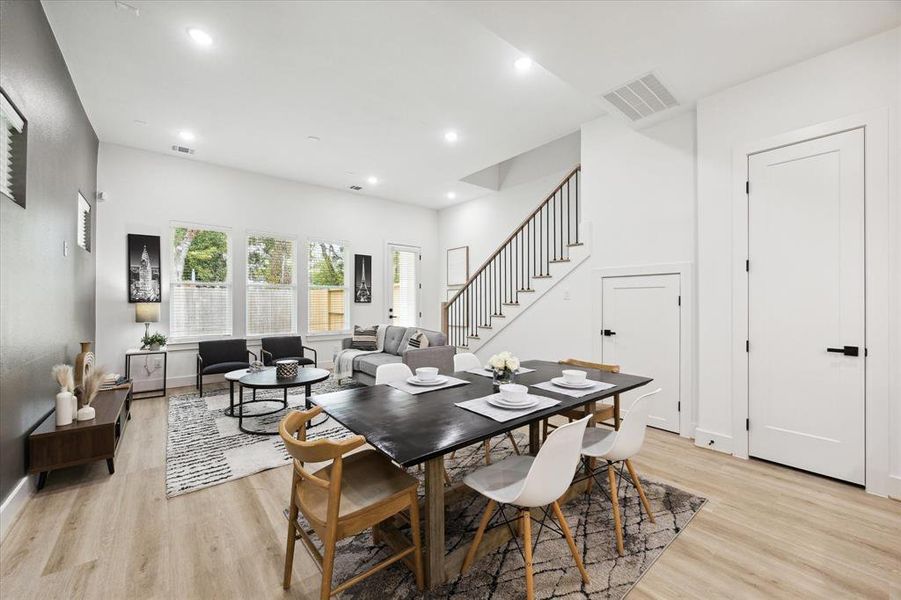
502	362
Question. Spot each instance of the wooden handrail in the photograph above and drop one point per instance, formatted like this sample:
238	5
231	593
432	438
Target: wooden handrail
503	245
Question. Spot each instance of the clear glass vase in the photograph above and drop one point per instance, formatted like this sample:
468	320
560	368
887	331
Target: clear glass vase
502	377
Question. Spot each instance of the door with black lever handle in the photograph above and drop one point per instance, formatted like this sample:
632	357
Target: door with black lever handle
846	350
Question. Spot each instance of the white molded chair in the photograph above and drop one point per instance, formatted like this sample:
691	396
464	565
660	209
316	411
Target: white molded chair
531	482
620	446
391	372
466	361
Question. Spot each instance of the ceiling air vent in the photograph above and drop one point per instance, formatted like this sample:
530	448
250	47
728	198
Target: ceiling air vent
183	149
355	188
641	98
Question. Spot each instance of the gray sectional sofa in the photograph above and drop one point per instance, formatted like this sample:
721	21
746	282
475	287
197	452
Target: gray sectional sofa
437	354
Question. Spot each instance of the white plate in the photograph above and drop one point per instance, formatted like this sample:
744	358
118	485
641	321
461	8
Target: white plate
501	403
573	386
414	380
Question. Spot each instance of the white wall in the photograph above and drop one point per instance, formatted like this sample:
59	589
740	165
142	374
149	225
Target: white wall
857	78
148	191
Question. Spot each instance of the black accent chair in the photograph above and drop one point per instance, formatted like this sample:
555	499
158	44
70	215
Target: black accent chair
290	347
221	356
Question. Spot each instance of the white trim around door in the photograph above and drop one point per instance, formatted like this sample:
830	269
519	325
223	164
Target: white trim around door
877	277
685	270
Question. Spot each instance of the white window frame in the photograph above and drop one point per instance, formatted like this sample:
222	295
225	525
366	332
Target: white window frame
173	225
249	284
348	287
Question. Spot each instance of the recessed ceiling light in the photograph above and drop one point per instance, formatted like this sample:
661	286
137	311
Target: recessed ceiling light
200	37
451	195
372	180
523	64
313	138
186	135
451	136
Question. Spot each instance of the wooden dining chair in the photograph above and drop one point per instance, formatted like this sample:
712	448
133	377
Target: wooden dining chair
352	494
603	413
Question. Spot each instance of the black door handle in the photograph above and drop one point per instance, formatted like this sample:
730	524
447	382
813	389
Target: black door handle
847	350
607	332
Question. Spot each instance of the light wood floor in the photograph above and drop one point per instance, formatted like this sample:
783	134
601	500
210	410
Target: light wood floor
766	532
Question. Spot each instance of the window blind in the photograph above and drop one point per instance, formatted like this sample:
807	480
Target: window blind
271	285
200	299
327	300
405	292
11	126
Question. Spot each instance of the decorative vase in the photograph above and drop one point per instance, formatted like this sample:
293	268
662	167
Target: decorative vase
154	347
86	413
503	376
285	369
64	402
84	363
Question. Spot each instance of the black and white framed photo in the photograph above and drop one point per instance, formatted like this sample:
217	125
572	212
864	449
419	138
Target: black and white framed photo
144	268
362	279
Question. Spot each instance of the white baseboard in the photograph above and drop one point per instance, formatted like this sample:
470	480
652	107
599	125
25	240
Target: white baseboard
894	487
713	440
14	503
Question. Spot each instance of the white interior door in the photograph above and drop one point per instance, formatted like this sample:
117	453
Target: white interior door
806	305
641	333
403	285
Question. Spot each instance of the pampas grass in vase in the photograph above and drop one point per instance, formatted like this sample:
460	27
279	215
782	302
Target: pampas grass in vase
89	388
66	404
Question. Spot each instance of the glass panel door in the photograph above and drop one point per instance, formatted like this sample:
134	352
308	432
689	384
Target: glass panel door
403	285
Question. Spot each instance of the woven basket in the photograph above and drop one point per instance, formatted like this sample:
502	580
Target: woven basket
285	369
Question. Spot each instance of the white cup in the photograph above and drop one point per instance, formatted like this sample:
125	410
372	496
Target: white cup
514	393
574	376
427	373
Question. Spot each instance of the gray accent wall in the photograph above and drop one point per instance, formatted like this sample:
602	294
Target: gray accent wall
46	298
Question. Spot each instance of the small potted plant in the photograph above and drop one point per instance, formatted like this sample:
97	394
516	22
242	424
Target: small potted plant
504	367
153	342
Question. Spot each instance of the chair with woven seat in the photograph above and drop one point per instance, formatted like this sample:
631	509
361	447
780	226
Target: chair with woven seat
619	447
353	493
466	361
602	413
529	482
217	357
286	347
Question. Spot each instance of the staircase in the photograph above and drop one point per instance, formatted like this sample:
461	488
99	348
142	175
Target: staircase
546	247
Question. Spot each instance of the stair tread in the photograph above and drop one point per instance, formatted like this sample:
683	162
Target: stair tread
541	276
560	260
525	290
511	303
574	244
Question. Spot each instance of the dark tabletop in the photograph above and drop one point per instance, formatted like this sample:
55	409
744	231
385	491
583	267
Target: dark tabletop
412	429
267	379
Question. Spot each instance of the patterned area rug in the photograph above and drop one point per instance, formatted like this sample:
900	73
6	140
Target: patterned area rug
205	447
501	574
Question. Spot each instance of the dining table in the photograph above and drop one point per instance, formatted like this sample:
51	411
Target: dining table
422	429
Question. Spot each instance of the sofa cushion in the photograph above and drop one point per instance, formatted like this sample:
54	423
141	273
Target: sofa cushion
417	341
436	338
368	363
365	338
393	337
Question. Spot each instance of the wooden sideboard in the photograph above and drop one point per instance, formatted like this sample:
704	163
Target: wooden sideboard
51	447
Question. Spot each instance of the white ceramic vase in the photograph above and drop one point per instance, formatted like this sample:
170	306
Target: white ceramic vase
86	413
64	402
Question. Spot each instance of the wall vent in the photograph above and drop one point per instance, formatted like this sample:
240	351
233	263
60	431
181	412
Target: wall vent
183	149
641	98
355	188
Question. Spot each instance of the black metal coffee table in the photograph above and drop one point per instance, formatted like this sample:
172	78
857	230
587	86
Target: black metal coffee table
266	380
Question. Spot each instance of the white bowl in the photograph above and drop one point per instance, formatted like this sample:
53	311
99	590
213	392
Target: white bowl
427	373
514	393
574	376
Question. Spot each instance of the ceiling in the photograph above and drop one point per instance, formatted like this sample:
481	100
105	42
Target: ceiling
379	83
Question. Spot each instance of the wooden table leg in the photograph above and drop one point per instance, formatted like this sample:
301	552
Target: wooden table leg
534	440
434	521
616	412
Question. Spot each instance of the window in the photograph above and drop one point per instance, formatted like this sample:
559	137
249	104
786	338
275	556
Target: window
271	285
83	233
200	299
13	137
329	292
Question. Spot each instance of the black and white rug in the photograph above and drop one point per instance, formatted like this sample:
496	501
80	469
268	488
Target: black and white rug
205	447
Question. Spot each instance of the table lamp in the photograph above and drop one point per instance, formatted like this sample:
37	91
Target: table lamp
147	313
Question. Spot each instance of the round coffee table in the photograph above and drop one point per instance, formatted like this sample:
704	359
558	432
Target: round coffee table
266	380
